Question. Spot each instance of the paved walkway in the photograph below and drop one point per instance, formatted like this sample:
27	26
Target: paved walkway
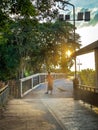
40	111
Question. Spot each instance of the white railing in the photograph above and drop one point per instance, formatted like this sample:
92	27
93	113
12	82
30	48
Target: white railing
29	83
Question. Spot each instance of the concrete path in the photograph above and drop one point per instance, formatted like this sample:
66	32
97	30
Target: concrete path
40	111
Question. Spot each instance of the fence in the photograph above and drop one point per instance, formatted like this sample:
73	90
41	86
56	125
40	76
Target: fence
4	93
29	83
87	94
14	88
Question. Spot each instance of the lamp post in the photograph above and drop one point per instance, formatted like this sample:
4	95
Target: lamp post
74	31
73	6
80	17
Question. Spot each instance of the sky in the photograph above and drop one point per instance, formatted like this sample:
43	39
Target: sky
88	31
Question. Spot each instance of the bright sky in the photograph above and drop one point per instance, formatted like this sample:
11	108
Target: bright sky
88	35
87	30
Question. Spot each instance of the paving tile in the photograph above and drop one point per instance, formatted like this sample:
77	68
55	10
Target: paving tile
40	111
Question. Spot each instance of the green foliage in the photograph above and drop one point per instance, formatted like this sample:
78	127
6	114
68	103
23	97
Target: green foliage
23	8
87	77
9	61
26	44
46	10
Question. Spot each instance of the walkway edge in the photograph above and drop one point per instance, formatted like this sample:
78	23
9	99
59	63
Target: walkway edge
55	116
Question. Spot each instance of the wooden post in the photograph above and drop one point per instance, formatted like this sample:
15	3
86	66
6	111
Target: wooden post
20	91
96	66
32	82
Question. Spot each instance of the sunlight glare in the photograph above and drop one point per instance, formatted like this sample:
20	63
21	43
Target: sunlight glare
68	53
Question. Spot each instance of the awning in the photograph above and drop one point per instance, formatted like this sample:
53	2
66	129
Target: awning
87	49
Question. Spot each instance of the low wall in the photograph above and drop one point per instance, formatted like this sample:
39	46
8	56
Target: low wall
86	94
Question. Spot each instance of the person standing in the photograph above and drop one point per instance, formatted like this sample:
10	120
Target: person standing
50	83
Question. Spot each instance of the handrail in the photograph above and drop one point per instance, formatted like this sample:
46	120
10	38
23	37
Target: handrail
29	77
33	81
88	94
4	93
2	89
88	88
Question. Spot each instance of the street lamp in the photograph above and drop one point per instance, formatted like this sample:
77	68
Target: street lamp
67	17
79	18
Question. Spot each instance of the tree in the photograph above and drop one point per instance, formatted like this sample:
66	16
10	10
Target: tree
52	44
28	43
87	77
14	32
46	10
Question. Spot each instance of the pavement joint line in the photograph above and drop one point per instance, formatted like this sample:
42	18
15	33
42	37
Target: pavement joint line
46	106
54	115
